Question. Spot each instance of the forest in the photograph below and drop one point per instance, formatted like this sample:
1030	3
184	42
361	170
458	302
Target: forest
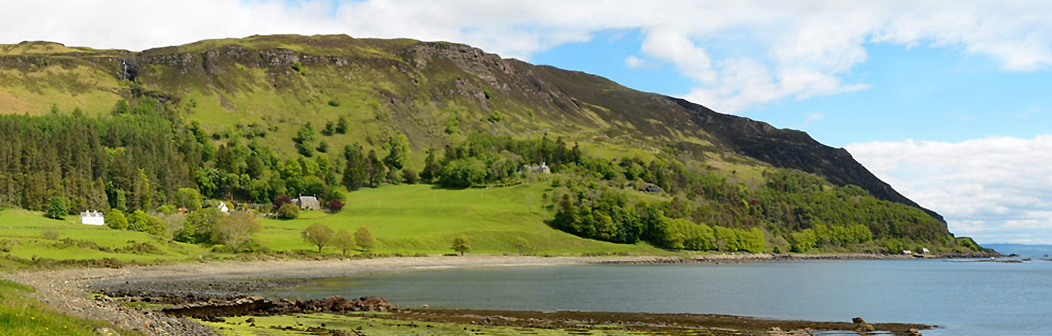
143	157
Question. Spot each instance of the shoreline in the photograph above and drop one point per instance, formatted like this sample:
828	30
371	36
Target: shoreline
69	290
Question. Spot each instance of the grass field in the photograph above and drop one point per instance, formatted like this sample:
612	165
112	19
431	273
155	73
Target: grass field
22	234
425	219
406	219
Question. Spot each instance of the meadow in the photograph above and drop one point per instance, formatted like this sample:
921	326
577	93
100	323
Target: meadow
404	219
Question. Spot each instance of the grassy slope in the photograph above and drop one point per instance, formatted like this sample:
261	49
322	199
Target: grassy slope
424	219
403	219
23	232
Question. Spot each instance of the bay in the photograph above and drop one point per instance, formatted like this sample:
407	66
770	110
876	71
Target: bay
965	298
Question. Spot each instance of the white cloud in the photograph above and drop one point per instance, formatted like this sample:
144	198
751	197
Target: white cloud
740	54
995	189
633	62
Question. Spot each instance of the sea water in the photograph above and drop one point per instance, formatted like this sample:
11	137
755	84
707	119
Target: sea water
964	298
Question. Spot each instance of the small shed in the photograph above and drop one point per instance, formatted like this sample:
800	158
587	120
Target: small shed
223	208
92	218
925	250
907	252
308	203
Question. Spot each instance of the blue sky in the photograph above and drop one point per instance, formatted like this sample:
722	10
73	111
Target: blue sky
945	100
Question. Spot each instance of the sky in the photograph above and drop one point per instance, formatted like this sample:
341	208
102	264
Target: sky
948	101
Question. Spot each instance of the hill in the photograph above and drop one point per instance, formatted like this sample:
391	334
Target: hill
1026	250
238	119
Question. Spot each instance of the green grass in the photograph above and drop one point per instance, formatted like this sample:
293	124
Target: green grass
22	316
22	233
369	324
424	219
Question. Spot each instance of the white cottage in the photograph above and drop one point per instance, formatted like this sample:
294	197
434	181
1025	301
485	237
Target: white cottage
223	208
92	218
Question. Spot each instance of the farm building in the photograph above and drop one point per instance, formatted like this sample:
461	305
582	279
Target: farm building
92	218
308	203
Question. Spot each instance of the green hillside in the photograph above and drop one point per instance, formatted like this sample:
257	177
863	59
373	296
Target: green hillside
248	121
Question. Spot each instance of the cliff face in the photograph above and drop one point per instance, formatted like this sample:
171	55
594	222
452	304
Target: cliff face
403	86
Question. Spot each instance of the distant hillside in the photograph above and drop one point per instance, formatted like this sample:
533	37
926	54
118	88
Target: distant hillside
275	92
1038	251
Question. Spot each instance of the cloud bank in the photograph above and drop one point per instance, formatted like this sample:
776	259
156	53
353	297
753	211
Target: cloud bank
739	54
994	189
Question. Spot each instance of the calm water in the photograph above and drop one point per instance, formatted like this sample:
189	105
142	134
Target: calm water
965	298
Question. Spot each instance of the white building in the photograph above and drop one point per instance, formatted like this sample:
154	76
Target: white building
223	208
92	218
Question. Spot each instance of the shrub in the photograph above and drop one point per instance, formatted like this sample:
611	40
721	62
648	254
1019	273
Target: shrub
288	211
235	229
410	176
281	200
50	234
116	220
335	205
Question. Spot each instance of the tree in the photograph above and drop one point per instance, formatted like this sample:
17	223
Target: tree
335	205
281	200
344	241
410	176
397	151
341	125
115	220
318	234
432	168
199	226
56	209
364	238
288	211
304	139
356	172
235	230
142	222
461	244
188	198
521	244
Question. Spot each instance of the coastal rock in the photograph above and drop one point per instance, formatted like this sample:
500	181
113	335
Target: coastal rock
103	331
861	325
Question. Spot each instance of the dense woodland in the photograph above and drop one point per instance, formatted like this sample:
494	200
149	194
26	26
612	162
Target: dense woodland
143	157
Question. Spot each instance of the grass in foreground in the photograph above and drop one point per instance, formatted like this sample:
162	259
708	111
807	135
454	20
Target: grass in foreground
22	316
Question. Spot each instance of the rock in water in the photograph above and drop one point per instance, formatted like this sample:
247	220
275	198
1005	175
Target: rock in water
861	325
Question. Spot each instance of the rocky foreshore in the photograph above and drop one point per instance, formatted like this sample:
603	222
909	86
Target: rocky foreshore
223	286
